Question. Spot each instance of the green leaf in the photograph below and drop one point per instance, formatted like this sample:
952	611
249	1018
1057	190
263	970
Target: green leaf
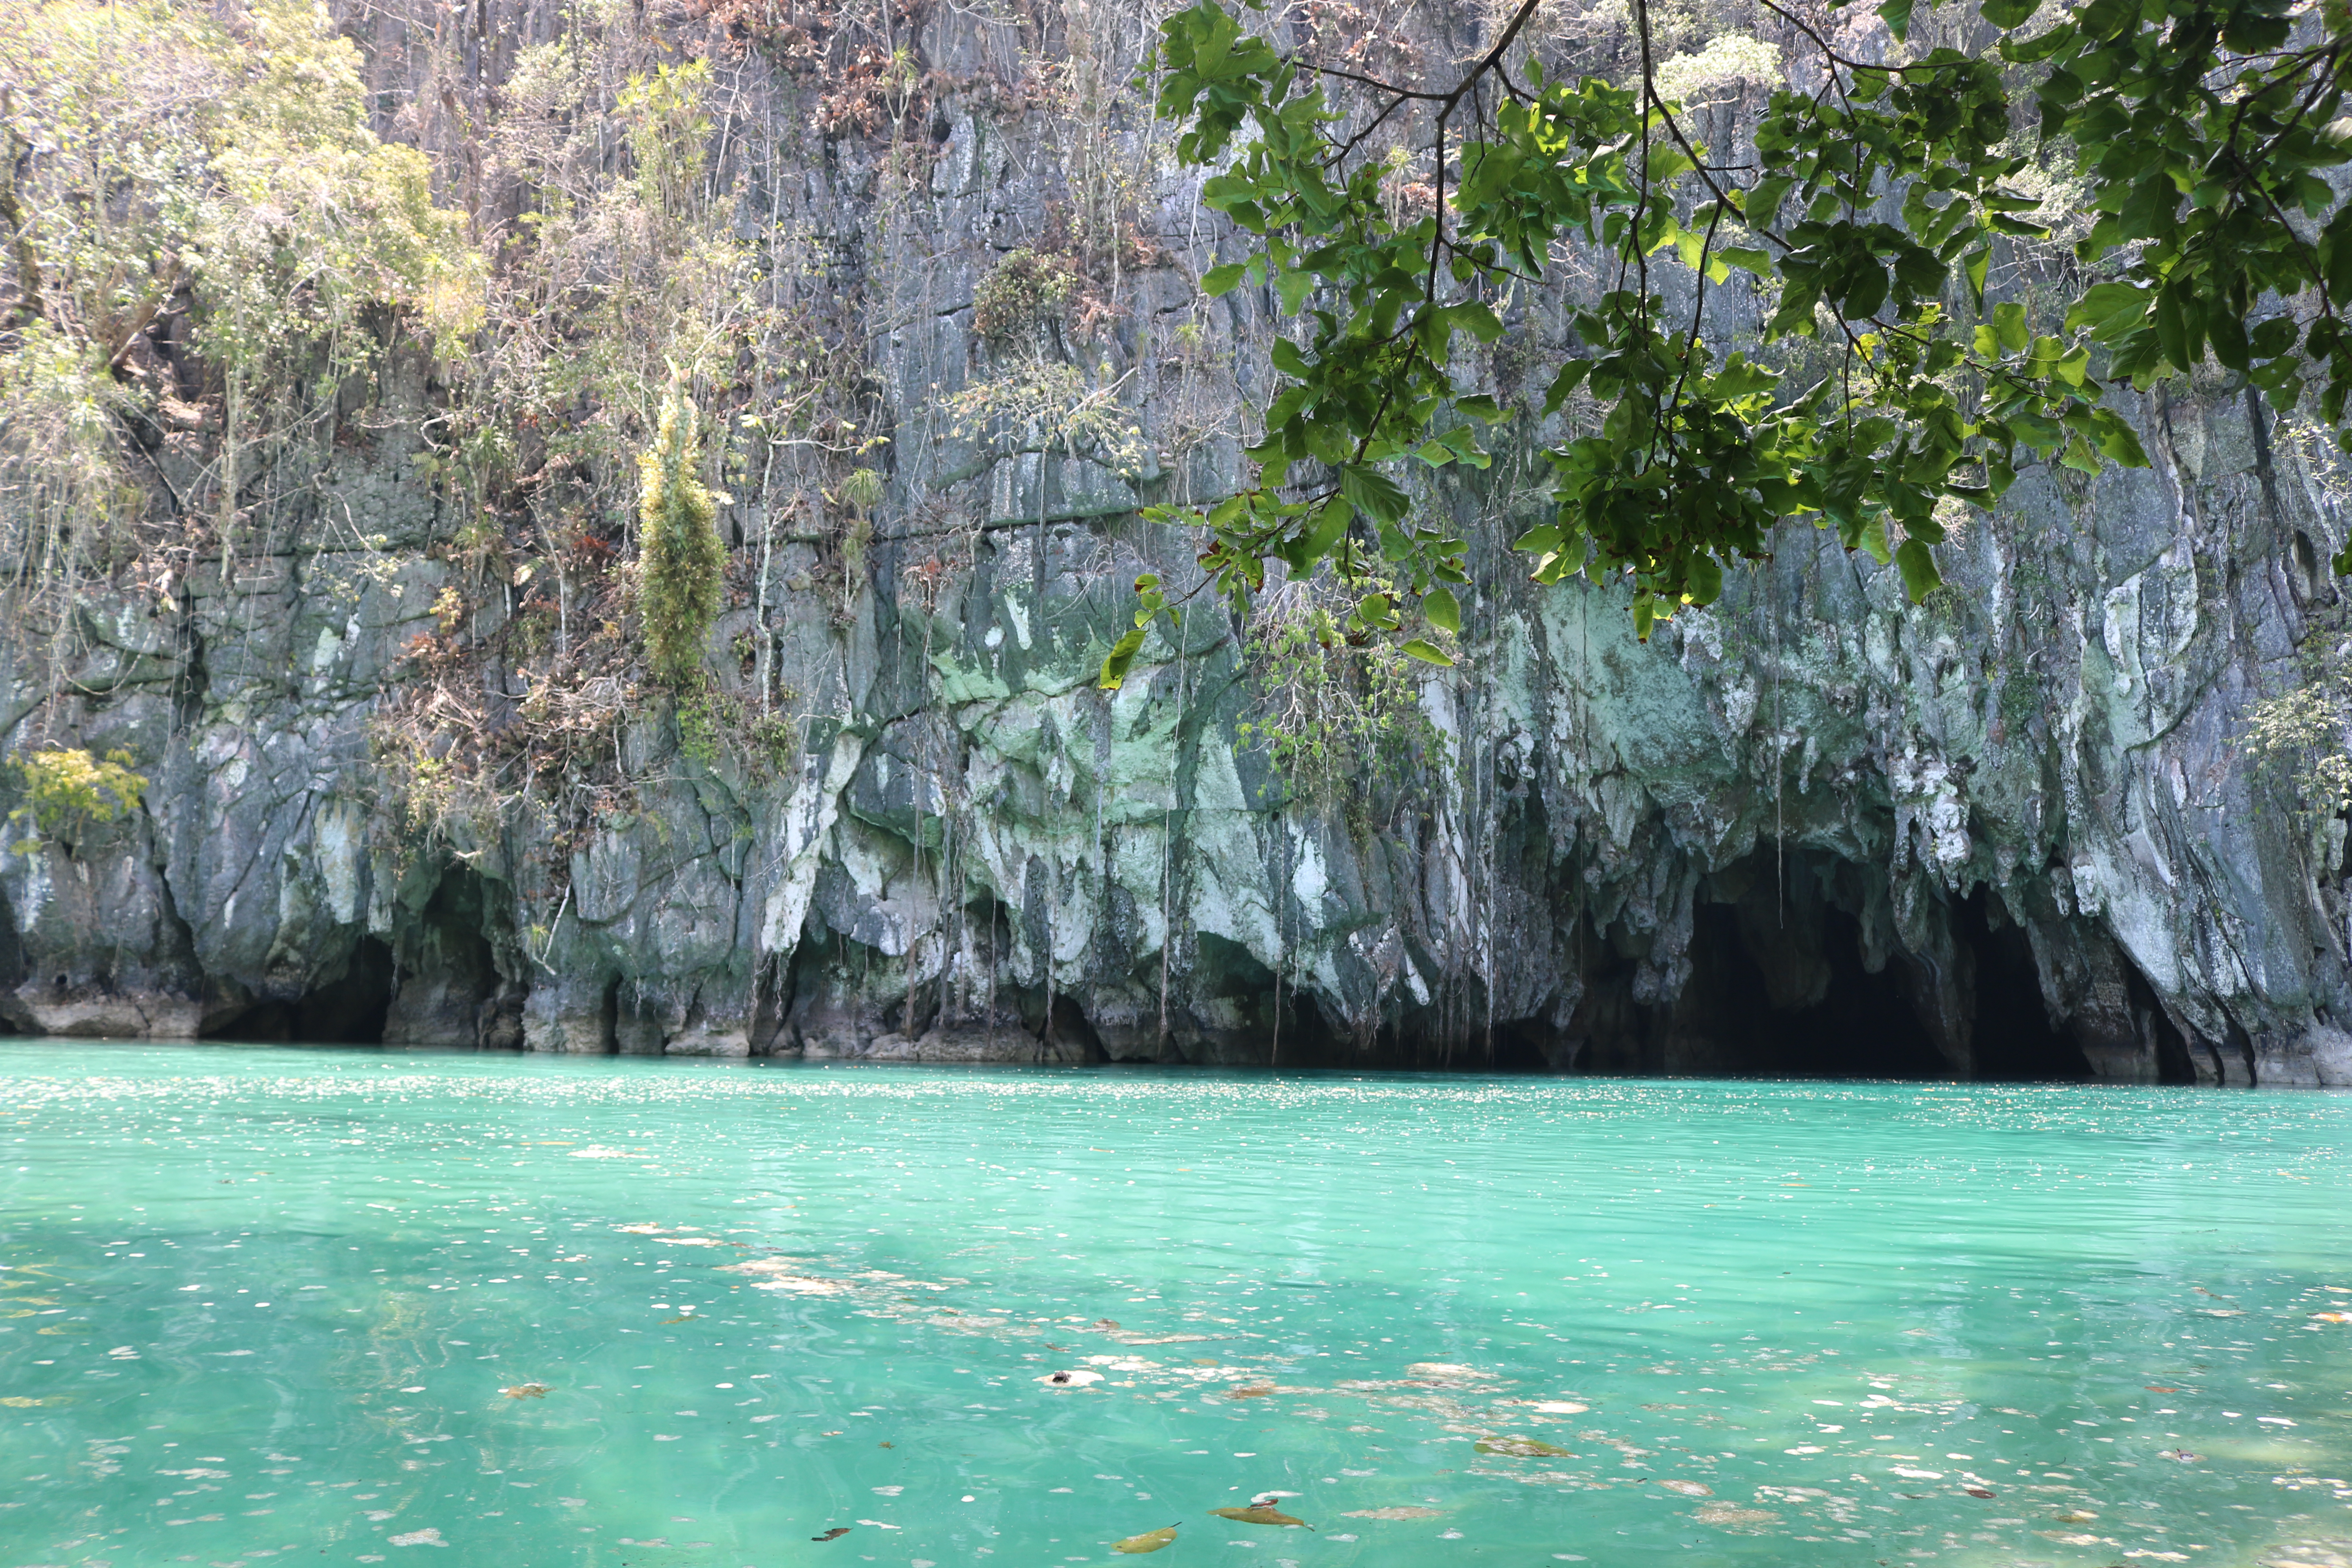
1373	494
1223	279
1121	658
2109	309
1896	15
1706	581
2009	326
1443	610
1759	262
1571	375
2118	442
1305	550
1917	564
1428	653
2228	332
1761	206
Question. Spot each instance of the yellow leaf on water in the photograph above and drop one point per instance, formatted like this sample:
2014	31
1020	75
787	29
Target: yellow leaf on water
526	1390
18	1402
1150	1541
2333	1317
1259	1513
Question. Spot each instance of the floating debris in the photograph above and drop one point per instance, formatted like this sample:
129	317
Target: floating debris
836	1533
1523	1449
1150	1541
1402	1512
526	1390
1260	1513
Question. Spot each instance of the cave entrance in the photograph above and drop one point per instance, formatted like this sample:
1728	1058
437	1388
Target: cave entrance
1766	1000
2015	1041
347	1009
450	991
1797	970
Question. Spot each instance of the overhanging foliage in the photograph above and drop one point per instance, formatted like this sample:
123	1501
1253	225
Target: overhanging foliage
2208	134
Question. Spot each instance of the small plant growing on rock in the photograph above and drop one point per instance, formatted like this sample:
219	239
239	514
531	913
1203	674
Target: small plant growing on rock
1024	289
683	562
67	788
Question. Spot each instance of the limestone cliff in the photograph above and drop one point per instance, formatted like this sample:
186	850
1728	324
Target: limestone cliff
2012	832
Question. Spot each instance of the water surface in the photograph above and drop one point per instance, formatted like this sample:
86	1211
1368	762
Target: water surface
350	1306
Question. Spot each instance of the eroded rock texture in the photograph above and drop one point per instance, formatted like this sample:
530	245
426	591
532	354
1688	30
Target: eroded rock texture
2008	833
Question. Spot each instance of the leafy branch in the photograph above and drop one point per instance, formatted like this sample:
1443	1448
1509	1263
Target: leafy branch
2208	133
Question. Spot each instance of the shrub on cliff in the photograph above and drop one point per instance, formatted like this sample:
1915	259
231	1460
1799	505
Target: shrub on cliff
66	788
681	557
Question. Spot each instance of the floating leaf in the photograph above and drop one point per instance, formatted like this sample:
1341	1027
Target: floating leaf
836	1533
1150	1541
1978	1491
2333	1317
1258	1513
1249	1391
2159	1388
526	1390
1523	1449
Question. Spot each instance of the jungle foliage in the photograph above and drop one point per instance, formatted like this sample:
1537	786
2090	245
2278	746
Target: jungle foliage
166	167
1888	178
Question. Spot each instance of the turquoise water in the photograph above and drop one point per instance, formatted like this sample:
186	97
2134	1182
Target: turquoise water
347	1306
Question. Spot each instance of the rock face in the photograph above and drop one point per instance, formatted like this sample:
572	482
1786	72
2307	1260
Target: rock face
2009	833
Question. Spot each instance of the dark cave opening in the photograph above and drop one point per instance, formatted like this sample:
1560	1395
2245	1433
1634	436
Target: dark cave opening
347	1010
1839	1020
1798	969
2015	1041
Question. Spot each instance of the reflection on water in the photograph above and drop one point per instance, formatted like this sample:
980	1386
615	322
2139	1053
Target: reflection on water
343	1305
